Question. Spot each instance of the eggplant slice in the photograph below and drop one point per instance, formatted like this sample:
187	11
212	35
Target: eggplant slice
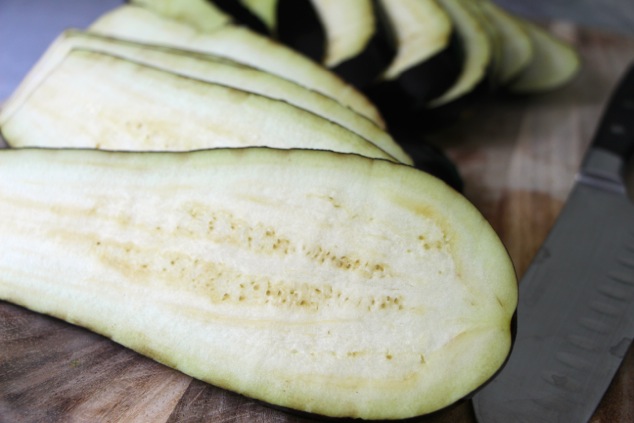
237	43
98	100
299	26
554	63
517	48
200	14
359	44
207	68
328	283
477	50
265	10
427	63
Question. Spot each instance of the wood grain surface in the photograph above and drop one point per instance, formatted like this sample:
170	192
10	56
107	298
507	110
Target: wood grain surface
518	157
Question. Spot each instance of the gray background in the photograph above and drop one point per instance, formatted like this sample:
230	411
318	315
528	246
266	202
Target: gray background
28	26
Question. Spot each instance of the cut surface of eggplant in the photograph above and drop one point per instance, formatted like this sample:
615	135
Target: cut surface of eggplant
240	44
358	43
201	14
427	63
477	51
517	48
242	15
494	36
97	100
207	68
422	29
265	10
554	62
323	282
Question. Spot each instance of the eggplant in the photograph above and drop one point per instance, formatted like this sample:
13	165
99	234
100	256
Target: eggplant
328	283
359	45
298	25
237	43
477	50
428	59
496	42
200	14
295	23
517	48
98	100
265	10
554	63
207	68
242	15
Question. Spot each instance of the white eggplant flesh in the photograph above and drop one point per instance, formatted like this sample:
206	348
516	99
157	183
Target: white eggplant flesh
265	10
201	14
422	29
517	48
478	50
349	27
237	43
208	68
554	62
96	100
323	282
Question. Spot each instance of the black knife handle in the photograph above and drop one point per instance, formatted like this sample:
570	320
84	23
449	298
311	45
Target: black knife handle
616	130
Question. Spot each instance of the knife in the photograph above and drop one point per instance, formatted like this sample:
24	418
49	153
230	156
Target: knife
575	318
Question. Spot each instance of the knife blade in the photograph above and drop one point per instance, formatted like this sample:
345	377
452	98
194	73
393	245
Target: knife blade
575	317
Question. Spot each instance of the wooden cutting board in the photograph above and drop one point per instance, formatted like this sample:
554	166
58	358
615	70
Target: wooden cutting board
518	157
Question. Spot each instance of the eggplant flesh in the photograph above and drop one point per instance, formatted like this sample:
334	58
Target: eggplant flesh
242	15
358	40
517	48
428	61
477	50
553	64
207	68
98	100
265	10
422	29
236	43
323	282
200	14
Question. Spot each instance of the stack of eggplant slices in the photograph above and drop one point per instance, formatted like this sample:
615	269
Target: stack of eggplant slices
213	185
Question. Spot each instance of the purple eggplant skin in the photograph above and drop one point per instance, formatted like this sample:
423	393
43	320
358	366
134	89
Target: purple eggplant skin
363	69
431	159
242	15
299	27
408	95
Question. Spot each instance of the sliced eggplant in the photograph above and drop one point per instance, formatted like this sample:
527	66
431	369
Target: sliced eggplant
97	100
427	62
265	10
242	14
358	41
328	283
240	44
293	22
494	35
517	48
422	29
554	62
298	25
207	68
477	50
200	14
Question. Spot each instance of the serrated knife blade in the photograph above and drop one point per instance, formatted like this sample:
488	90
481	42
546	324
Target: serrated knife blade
575	318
